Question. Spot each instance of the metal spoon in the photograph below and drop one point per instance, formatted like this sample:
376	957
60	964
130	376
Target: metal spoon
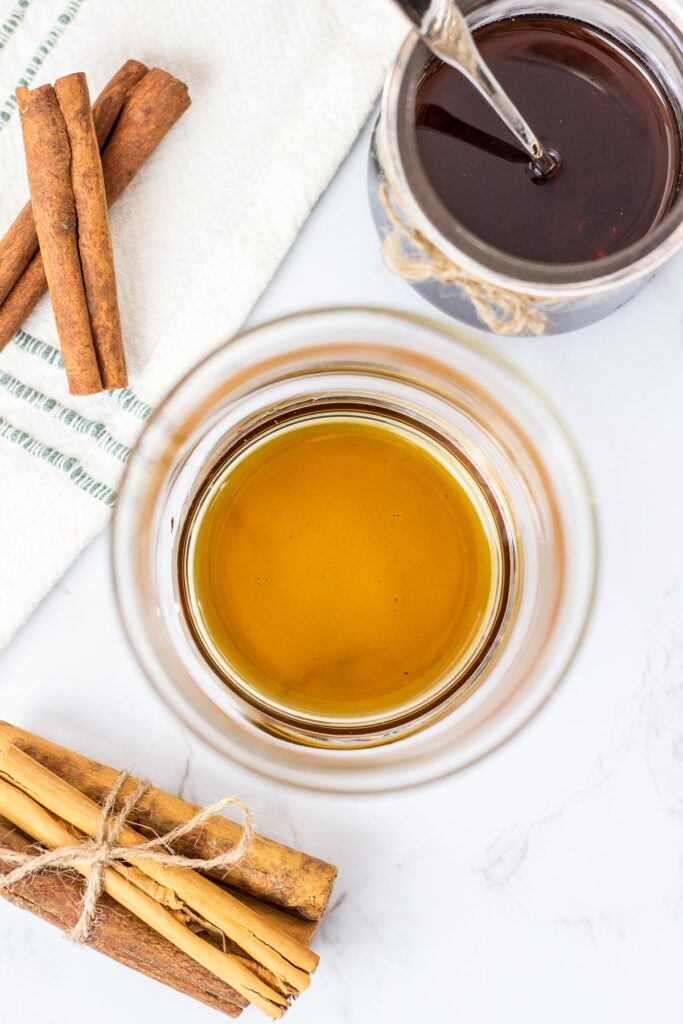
442	25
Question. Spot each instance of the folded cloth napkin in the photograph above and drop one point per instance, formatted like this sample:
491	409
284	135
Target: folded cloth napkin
279	91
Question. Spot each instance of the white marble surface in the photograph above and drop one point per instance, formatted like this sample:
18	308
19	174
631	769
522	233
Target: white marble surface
543	884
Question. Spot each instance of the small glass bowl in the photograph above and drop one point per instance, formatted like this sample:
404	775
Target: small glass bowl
454	390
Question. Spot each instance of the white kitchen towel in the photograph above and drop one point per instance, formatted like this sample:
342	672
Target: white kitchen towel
279	91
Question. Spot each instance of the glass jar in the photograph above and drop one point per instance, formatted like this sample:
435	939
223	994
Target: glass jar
452	391
565	296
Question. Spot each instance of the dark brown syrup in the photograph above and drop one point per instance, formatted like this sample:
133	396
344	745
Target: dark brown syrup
588	98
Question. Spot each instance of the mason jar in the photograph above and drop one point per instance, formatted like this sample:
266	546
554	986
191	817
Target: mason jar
452	392
527	297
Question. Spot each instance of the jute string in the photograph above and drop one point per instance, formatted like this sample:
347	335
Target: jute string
408	253
103	851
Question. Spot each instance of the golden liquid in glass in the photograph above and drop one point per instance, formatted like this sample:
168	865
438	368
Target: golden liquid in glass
342	569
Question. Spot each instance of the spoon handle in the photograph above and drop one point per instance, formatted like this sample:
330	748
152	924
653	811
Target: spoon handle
445	30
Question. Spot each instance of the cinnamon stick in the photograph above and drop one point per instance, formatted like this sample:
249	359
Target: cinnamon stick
289	960
72	222
23	297
94	237
108	105
152	108
276	874
20	244
297	927
33	819
48	164
17	248
56	898
156	110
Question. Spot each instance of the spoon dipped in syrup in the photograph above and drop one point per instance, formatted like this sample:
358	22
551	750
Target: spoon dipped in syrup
443	27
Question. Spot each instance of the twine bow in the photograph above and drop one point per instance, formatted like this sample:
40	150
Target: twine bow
410	254
103	851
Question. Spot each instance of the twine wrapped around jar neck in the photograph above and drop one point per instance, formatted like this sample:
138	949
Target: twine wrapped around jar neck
408	253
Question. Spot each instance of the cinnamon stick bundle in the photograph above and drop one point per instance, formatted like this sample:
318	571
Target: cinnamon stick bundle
30	817
253	951
152	102
288	959
57	897
271	872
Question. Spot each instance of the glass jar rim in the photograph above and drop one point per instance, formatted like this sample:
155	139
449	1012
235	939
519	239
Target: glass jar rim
465	664
430	753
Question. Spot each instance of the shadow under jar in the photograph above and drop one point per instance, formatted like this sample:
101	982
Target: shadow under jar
353	551
601	81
